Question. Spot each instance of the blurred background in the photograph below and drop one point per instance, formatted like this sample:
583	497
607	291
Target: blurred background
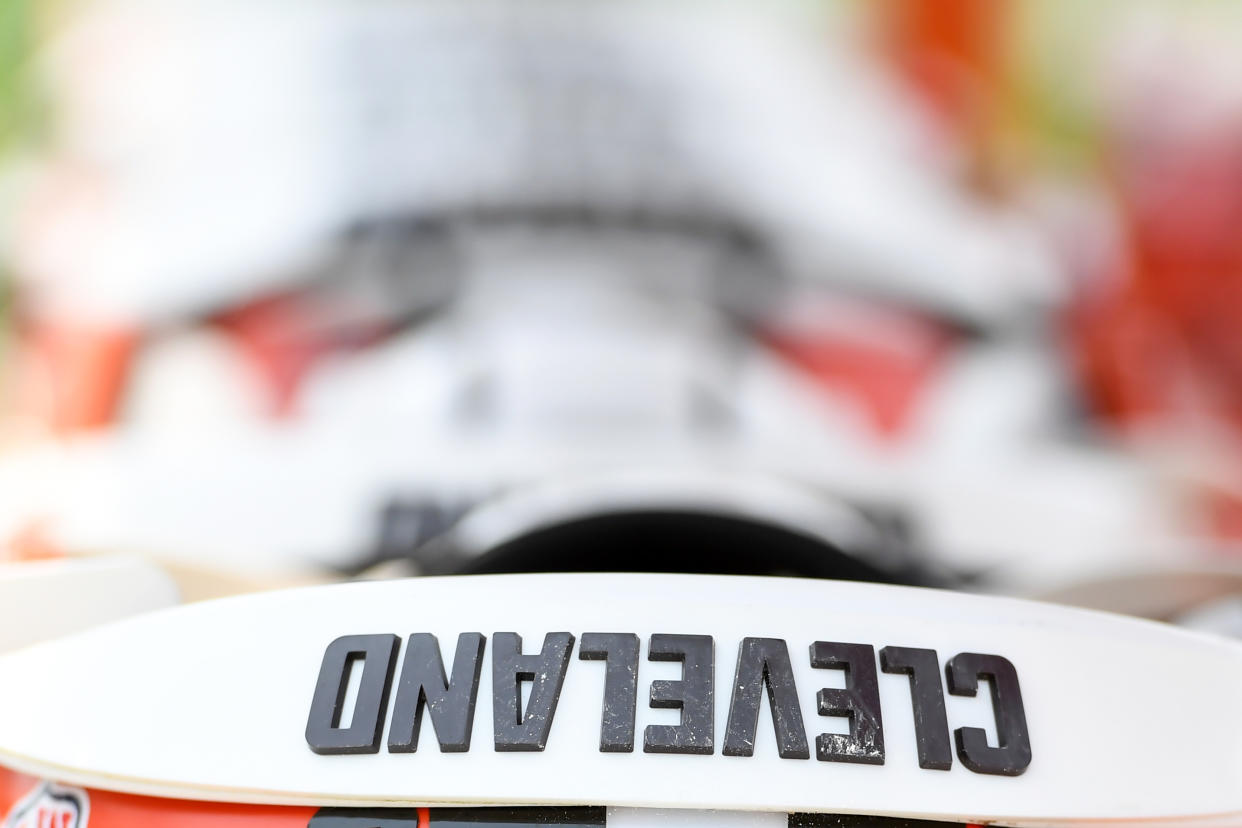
928	292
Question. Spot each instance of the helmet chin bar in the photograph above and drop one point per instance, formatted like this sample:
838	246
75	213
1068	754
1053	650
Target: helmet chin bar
662	697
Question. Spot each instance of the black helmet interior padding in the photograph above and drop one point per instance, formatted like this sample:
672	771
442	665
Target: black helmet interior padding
680	541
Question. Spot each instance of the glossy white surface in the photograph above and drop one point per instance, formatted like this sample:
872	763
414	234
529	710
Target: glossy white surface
40	600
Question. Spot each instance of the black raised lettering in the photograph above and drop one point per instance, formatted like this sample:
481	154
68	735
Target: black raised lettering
620	651
693	695
494	817
866	821
1012	756
450	704
763	661
365	818
520	817
516	729
860	701
324	732
931	726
